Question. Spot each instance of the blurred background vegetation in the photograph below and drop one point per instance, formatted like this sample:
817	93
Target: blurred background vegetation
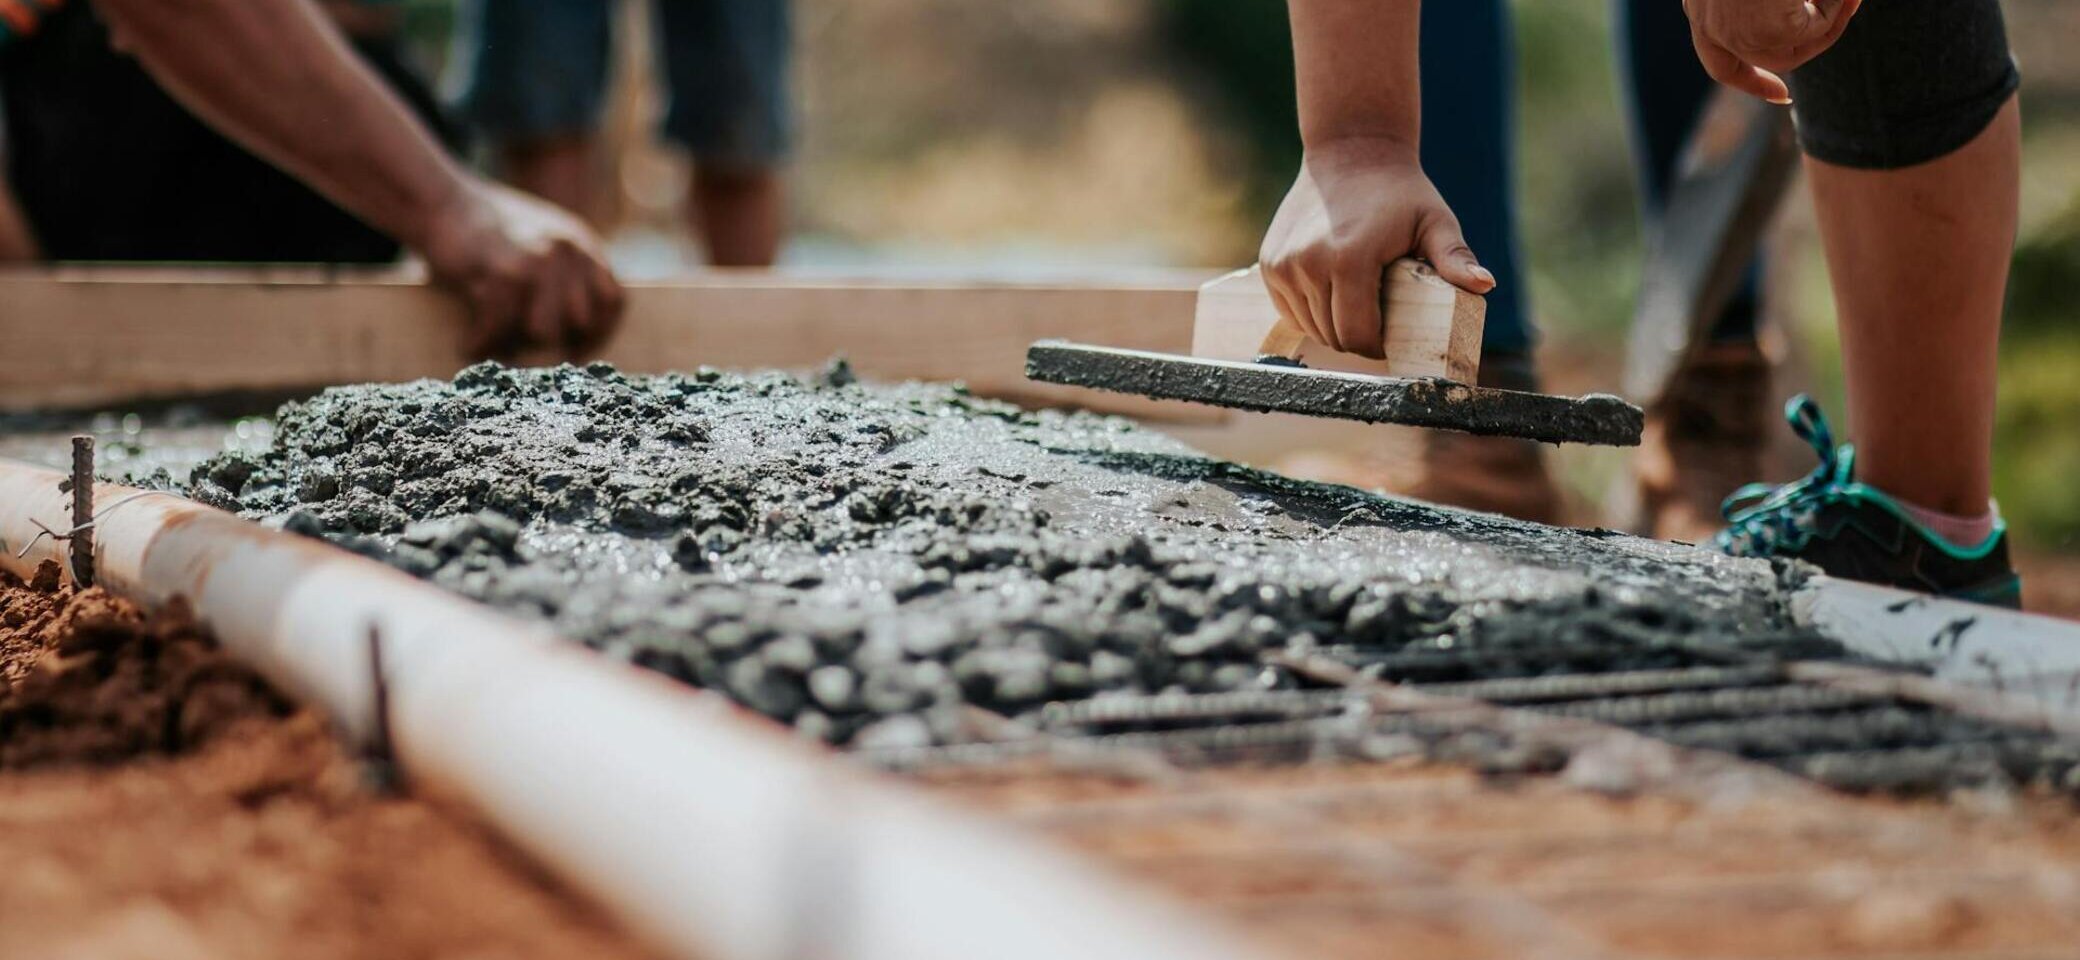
1078	136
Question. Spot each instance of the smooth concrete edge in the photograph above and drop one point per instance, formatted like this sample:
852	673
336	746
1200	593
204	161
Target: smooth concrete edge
1965	643
713	833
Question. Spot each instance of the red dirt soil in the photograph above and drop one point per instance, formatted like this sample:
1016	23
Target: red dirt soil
158	800
1358	860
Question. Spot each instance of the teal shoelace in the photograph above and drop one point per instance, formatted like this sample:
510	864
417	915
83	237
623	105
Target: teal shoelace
1763	520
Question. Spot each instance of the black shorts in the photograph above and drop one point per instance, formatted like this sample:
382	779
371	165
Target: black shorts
1909	81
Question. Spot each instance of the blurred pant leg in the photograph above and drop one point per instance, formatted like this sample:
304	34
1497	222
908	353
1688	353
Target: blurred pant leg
538	68
726	64
1666	90
1469	149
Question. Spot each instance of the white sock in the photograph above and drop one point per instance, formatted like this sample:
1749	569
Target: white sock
1957	531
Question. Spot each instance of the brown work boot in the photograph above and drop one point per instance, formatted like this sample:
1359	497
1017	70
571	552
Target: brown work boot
1707	436
1492	474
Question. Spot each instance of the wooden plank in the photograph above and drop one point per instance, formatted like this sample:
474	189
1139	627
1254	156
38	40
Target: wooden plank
83	337
1433	328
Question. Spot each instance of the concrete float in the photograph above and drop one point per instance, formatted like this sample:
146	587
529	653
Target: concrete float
705	828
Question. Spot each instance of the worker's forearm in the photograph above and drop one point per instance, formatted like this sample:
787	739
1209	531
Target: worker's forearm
276	77
1356	69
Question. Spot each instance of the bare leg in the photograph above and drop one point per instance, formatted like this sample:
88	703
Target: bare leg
1919	260
739	214
559	169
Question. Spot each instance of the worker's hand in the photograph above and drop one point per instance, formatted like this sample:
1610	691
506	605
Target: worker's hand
1749	44
1358	205
532	273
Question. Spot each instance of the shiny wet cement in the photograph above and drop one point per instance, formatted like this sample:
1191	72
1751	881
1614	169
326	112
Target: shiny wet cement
862	561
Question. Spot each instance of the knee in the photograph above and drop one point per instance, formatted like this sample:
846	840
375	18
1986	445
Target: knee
1910	81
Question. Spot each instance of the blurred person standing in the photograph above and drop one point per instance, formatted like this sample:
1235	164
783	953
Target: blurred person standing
537	74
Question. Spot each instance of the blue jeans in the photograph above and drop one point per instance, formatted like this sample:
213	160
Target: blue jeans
538	68
1469	149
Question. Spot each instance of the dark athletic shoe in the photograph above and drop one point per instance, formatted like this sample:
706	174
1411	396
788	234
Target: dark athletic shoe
1857	532
1705	437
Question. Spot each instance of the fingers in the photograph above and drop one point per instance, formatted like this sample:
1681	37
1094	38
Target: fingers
495	313
1443	244
1288	309
1748	46
547	300
581	326
1289	284
609	300
1354	300
1730	70
1835	16
564	300
1321	316
1824	21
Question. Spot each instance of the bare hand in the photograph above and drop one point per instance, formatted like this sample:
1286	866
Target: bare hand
532	273
1358	205
1749	44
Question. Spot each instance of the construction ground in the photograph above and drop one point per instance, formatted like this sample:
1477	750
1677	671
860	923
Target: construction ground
801	623
1200	706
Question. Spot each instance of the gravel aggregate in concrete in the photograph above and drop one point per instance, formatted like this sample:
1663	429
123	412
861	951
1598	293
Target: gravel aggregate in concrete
864	560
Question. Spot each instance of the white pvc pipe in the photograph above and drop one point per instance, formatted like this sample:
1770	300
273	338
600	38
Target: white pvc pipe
1969	643
709	830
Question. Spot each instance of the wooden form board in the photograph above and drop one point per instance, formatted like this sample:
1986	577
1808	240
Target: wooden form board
82	337
1433	328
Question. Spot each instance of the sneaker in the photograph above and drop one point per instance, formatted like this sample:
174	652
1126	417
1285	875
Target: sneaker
1703	440
1857	532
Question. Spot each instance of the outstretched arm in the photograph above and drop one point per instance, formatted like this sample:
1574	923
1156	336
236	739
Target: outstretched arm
276	77
1361	199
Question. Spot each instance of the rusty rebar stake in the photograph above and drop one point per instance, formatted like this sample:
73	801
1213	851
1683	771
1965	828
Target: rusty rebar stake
82	536
379	757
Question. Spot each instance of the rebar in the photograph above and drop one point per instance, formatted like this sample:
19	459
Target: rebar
81	540
1583	686
1702	705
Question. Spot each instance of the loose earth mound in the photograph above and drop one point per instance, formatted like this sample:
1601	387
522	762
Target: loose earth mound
159	800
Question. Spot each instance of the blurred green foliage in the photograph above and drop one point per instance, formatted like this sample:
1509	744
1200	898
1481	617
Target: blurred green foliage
2045	279
2037	442
1242	55
2037	432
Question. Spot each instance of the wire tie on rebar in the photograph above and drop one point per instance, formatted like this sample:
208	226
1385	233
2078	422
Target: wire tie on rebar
90	524
379	757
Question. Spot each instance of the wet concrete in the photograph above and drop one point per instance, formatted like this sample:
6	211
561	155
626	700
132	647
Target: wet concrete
865	561
1283	388
155	445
